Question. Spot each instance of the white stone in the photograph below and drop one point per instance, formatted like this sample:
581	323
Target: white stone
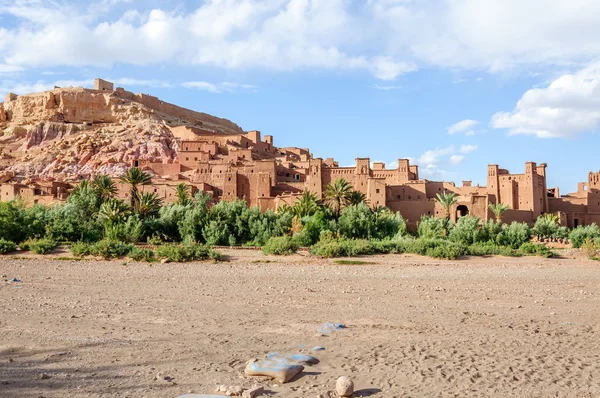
344	387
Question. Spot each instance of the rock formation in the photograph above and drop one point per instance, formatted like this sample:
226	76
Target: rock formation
71	133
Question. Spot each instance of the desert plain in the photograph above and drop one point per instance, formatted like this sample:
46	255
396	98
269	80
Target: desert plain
415	327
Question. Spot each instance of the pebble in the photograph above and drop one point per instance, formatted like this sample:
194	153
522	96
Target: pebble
254	391
344	387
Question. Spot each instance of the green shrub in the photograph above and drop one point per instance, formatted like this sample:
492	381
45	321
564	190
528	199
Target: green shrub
42	246
154	240
280	246
546	226
327	248
490	230
447	250
108	249
581	233
466	231
12	222
536	249
357	222
514	235
392	246
141	254
188	251
7	246
82	249
491	249
433	227
356	247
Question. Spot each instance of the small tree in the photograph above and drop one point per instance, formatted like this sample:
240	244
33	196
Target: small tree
105	187
498	209
134	177
183	194
337	196
307	205
447	200
356	198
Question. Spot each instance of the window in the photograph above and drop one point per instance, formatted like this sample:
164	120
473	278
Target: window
377	191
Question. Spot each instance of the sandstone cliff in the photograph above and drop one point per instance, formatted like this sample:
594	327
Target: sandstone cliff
73	133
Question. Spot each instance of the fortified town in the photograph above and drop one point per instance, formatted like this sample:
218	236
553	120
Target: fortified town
54	139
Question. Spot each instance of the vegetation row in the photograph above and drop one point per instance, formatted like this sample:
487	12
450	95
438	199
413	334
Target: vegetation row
94	222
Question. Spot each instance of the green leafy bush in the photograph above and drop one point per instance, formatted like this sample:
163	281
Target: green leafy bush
433	227
12	222
82	249
40	246
356	247
280	246
491	249
188	251
141	254
108	249
447	250
536	249
589	247
327	248
514	235
7	246
546	226
357	222
467	231
581	233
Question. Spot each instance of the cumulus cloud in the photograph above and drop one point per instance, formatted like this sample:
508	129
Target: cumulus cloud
386	38
457	159
569	105
464	126
468	148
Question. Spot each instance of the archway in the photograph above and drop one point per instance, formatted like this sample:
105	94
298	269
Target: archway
462	211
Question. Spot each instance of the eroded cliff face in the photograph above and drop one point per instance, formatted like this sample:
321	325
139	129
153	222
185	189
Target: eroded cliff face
69	134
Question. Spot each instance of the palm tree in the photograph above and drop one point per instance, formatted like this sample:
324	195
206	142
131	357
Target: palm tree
105	187
357	197
114	211
183	194
135	177
307	205
498	209
447	200
149	204
337	196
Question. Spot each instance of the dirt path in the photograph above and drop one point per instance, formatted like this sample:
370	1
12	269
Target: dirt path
416	327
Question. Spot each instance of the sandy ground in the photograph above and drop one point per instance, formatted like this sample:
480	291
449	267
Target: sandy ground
416	327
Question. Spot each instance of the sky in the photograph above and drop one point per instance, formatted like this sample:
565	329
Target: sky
454	85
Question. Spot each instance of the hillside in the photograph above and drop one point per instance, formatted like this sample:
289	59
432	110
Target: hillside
72	133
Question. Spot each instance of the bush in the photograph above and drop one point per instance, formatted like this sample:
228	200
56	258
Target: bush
546	226
536	249
514	235
327	248
141	254
432	227
357	222
589	247
81	249
41	246
7	246
356	247
466	231
280	246
188	251
392	246
491	249
12	222
447	250
581	233
108	249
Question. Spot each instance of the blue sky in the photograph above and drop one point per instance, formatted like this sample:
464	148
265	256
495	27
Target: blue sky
452	84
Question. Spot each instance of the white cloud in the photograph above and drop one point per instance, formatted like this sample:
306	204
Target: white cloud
568	106
225	87
126	81
434	156
468	148
386	38
8	86
457	159
464	126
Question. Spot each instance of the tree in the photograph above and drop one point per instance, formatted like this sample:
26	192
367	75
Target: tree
183	194
357	197
134	177
337	196
307	205
149	204
114	211
105	187
447	200
498	209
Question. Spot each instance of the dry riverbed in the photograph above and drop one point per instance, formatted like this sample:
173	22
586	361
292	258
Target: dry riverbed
416	327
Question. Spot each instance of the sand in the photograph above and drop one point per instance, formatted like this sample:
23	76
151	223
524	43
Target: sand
416	327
